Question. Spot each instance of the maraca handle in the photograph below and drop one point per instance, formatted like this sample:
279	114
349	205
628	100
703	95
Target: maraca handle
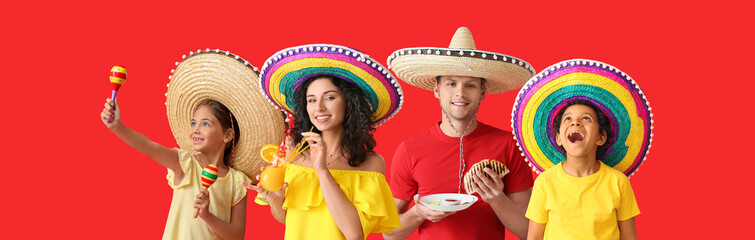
112	98
196	210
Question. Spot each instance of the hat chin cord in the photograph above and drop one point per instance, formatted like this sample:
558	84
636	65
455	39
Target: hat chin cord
462	164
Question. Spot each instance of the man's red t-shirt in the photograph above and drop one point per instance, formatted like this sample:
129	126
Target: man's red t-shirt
429	163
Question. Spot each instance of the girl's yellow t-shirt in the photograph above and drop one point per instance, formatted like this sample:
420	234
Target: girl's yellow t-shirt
225	193
307	215
582	207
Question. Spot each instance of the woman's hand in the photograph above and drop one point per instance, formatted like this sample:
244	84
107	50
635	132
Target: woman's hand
111	114
202	203
274	198
317	149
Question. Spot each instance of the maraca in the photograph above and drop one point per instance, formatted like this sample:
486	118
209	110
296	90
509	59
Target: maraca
209	175
117	78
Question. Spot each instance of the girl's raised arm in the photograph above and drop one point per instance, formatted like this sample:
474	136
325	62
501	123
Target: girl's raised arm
167	157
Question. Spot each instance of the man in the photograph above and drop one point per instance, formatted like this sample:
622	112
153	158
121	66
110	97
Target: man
433	162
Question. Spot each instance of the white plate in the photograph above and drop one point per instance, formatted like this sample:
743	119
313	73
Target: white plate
465	199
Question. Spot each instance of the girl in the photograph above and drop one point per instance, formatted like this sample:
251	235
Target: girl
587	125
213	136
336	189
202	90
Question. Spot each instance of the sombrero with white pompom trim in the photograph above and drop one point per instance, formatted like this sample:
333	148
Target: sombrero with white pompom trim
285	71
608	88
232	81
420	66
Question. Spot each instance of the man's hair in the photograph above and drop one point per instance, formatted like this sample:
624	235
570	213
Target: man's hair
482	83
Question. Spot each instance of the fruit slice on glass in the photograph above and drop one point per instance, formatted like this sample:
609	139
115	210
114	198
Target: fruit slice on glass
269	152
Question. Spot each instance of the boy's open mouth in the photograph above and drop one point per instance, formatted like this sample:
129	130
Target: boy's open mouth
575	137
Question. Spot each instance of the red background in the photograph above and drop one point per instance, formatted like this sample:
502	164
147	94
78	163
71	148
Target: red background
67	175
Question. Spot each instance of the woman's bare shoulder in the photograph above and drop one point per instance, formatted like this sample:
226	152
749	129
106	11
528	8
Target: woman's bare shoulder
374	162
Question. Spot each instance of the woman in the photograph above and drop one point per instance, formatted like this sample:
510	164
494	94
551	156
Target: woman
335	189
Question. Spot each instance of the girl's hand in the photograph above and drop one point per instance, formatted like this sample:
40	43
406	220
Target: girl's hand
274	198
202	203
111	113
317	149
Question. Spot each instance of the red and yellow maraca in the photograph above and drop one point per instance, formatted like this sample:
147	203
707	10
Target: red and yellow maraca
209	175
117	78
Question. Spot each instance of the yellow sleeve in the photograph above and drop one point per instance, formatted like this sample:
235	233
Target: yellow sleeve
368	191
536	208
374	202
239	192
186	161
628	204
303	191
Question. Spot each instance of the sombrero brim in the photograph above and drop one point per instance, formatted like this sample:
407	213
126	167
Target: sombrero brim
608	88
232	81
287	69
420	67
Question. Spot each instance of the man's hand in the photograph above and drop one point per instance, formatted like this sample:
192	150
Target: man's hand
489	190
426	213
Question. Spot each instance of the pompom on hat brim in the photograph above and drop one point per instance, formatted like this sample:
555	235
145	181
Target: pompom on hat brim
232	81
285	71
608	88
420	66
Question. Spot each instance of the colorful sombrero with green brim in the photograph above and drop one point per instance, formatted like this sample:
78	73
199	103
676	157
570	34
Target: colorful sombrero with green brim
286	70
608	88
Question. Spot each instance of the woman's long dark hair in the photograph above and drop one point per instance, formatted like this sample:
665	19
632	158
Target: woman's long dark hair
226	120
358	140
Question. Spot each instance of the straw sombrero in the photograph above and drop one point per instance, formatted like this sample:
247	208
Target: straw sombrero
420	66
608	88
287	69
232	81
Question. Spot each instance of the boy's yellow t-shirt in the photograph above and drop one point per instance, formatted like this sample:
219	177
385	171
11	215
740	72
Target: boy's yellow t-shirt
582	208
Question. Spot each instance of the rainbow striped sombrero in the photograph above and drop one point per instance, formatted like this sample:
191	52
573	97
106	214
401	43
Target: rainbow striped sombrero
286	70
610	89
